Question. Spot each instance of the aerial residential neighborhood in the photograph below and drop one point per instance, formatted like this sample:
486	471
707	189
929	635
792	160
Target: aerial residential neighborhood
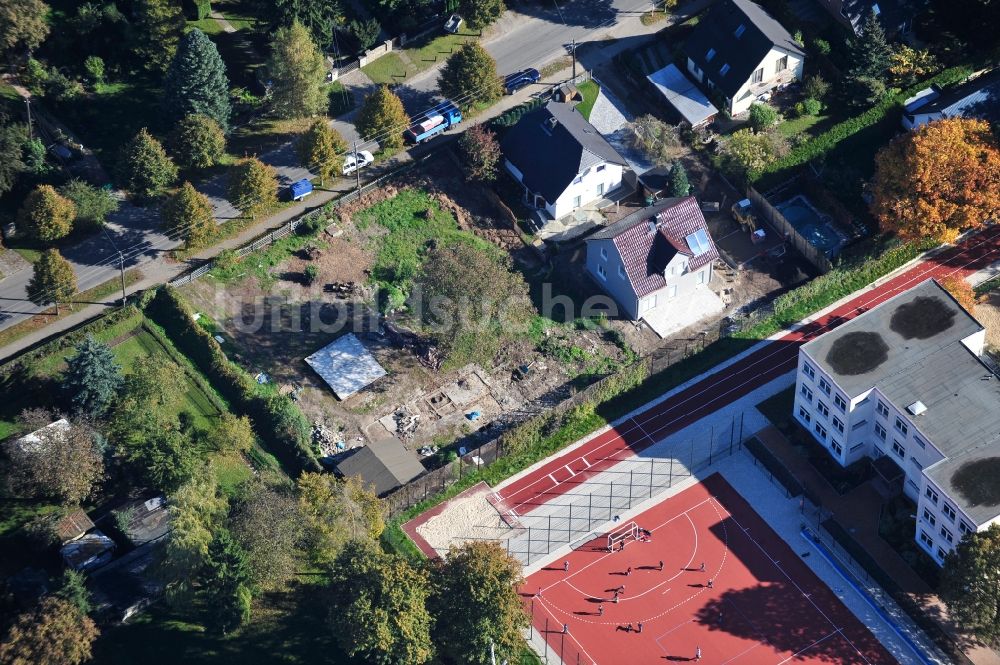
587	332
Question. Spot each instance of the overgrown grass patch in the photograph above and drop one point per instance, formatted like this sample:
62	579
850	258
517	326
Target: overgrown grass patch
108	118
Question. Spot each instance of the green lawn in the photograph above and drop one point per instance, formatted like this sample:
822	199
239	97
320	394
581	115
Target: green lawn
419	55
390	68
28	254
208	25
8	93
589	90
341	99
812	125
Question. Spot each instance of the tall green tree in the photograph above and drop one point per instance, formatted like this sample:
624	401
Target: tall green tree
187	214
197	511
970	584
268	524
475	604
93	204
73	589
335	511
480	14
470	76
46	215
321	149
379	606
53	282
54	632
196	81
870	55
13	138
197	142
159	26
382	118
145	169
225	584
23	24
320	17
678	180
253	187
92	378
297	72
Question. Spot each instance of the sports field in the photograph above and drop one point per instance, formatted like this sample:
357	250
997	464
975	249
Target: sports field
763	604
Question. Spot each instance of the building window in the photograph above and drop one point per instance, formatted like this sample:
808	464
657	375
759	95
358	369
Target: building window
840	402
600	189
836	447
621	272
964	527
949	512
926	540
837	425
857	446
710	55
673	291
820	431
824	385
781	65
804	415
929	517
724	69
577	201
601	168
740	30
857	426
901	426
758	76
940	554
808	370
880	431
604	253
914	462
823	409
919	441
602	273
878	453
882	409
898	448
912	484
947	535
805	392
931	495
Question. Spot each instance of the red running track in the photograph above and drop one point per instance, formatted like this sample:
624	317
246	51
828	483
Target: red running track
718	390
765	605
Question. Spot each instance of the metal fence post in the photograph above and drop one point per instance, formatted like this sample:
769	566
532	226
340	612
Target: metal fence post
630	488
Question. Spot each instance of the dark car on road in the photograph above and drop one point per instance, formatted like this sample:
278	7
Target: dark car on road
514	82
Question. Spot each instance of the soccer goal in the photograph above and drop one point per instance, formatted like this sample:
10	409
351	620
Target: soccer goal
622	533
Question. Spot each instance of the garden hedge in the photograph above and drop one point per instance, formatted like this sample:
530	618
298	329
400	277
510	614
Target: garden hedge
278	422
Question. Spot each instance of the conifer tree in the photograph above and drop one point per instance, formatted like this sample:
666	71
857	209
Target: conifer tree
679	185
196	81
53	282
144	168
382	118
871	54
321	149
92	377
254	187
188	214
297	73
225	583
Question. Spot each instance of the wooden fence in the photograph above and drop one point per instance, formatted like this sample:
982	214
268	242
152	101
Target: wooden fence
789	232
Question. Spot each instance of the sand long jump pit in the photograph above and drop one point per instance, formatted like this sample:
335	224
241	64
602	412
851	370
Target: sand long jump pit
470	515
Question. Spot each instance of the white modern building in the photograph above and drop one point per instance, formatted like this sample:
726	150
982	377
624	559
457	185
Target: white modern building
905	381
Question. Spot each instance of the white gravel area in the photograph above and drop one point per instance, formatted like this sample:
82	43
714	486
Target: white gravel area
609	117
469	518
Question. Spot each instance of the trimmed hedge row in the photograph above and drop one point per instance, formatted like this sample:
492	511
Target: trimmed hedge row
817	147
185	364
511	117
279	423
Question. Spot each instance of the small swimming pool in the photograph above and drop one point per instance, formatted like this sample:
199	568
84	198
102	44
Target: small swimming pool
812	225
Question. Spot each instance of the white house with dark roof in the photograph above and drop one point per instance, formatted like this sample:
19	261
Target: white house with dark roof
657	264
743	52
904	382
976	97
562	162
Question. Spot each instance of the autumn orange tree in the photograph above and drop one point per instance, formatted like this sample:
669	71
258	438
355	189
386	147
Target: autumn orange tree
961	291
938	180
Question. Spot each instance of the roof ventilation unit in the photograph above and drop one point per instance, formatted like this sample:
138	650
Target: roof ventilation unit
916	408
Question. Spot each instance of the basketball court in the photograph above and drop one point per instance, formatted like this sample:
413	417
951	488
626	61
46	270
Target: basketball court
755	601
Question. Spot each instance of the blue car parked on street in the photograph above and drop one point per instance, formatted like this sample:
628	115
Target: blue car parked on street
514	82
